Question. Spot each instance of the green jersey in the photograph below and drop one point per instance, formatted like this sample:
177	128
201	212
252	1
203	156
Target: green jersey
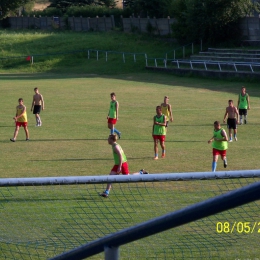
243	104
116	156
112	109
219	145
159	129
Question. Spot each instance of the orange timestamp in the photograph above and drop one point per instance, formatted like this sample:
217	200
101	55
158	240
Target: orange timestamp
238	227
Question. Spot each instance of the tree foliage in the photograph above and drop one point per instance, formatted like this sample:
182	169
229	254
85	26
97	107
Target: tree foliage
63	4
10	6
152	8
213	21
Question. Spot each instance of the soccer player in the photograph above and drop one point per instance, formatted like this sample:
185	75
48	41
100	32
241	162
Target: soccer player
20	120
121	165
219	145
112	116
167	110
232	113
37	105
243	104
159	131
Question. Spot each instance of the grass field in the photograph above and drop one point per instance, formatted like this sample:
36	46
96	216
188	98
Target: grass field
73	142
74	123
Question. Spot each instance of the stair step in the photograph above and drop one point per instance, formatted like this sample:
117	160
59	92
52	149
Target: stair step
221	59
235	50
230	54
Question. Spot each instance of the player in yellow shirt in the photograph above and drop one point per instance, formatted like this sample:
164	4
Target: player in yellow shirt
20	120
167	110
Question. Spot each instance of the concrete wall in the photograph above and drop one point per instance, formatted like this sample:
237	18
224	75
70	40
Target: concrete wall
75	23
250	26
156	26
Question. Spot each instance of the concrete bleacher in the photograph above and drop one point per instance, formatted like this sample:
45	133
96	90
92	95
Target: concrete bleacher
219	63
231	55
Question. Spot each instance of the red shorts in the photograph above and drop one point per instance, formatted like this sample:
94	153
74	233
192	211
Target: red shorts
219	152
24	124
111	121
159	137
124	168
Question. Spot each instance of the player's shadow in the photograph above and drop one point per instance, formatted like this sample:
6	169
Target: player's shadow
64	140
71	159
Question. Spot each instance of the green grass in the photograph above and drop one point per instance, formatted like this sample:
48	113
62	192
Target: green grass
73	142
65	52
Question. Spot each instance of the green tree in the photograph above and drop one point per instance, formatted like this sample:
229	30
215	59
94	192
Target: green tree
11	6
144	8
213	21
63	4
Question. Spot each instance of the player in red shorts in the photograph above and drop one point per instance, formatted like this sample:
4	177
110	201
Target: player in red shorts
159	131
121	165
219	145
112	116
20	120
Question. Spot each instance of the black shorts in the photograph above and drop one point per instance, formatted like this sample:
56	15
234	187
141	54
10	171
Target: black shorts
242	111
37	109
232	123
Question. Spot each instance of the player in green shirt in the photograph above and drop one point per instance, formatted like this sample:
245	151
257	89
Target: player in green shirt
243	105
219	145
112	116
121	165
159	132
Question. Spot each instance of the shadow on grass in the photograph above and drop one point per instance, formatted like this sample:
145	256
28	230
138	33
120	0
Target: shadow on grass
157	78
86	159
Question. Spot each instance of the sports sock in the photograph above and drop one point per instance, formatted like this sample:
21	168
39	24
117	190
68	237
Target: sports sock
116	131
107	191
111	131
156	155
214	166
241	119
163	151
225	160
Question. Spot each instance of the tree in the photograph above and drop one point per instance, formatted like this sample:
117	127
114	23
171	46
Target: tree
8	6
144	8
63	4
213	21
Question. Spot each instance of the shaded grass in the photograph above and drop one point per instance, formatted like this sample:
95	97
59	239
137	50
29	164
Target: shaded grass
67	51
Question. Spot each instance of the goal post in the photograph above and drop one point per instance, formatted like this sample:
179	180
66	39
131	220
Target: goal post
69	180
183	216
46	217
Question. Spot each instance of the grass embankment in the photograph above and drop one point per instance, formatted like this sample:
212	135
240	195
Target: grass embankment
67	51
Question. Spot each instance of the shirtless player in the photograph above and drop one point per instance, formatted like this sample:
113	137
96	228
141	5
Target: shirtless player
232	121
37	105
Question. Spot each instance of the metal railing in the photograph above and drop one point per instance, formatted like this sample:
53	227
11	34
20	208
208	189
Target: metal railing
220	66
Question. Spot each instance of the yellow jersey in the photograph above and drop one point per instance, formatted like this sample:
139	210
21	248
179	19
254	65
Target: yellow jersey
166	112
19	111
